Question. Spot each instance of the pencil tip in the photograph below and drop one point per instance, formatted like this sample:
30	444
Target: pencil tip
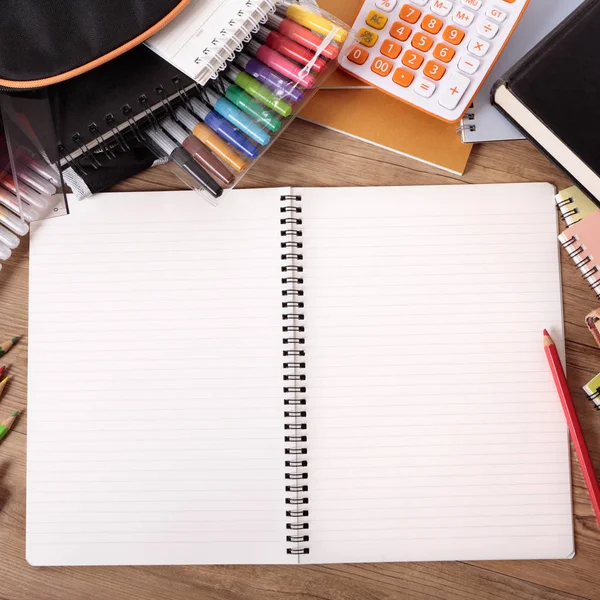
546	334
15	340
16	413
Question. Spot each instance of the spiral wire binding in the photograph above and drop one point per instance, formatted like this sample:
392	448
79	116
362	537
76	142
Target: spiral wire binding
595	398
592	274
241	29
464	127
294	379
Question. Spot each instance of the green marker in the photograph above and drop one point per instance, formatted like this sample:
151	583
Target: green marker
6	426
236	95
261	92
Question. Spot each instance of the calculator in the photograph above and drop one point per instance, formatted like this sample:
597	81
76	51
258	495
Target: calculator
432	54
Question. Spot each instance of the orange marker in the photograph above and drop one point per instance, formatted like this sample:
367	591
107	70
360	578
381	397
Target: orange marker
210	139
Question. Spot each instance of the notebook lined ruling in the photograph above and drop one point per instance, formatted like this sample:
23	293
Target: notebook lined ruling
299	376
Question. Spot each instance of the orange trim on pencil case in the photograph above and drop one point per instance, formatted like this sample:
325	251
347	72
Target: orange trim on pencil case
37	83
422	109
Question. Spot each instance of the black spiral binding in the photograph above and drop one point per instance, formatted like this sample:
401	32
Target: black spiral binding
567	214
591	274
595	398
294	378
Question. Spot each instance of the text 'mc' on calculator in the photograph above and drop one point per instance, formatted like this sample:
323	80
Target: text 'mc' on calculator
433	54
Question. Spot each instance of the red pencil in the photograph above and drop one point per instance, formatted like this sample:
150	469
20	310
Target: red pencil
573	421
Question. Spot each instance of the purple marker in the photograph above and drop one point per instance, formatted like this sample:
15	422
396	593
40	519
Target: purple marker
283	87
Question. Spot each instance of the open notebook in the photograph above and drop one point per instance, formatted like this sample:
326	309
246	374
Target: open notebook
298	376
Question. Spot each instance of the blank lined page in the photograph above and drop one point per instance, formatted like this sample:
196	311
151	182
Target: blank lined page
155	427
434	427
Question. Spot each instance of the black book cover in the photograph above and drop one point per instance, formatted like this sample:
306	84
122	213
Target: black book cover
559	82
112	97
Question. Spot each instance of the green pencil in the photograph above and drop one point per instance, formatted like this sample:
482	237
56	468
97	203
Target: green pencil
6	426
4	348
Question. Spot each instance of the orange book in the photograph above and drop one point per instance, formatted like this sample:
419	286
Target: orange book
374	117
379	119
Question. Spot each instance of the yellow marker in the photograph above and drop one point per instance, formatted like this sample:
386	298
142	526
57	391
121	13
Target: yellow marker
307	18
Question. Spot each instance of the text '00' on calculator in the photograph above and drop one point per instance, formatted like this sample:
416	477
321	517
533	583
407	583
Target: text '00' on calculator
433	54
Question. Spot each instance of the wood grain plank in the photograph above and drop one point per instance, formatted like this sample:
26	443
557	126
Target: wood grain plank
307	155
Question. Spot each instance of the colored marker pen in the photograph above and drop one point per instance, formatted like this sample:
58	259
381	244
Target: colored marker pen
282	87
8	238
210	139
201	154
302	36
291	49
184	160
229	133
45	170
259	91
236	117
305	17
237	96
12	222
5	252
39	184
29	195
280	63
10	201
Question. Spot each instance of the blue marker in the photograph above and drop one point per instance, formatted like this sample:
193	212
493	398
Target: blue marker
228	132
236	117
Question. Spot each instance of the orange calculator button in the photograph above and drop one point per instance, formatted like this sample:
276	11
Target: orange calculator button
400	31
403	77
412	59
431	24
391	49
422	42
367	37
410	14
454	35
358	55
434	70
382	66
444	53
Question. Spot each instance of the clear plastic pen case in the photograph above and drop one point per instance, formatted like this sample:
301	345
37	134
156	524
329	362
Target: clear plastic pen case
221	129
31	186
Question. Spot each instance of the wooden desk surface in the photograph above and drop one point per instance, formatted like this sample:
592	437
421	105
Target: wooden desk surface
310	156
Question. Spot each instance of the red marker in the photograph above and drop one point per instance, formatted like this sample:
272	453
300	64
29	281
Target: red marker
291	49
281	64
302	35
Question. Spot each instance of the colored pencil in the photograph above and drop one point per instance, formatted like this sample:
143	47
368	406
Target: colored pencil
3	385
5	427
4	348
573	421
2	369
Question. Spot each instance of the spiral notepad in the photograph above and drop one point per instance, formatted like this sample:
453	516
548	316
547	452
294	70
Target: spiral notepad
299	376
208	34
582	243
